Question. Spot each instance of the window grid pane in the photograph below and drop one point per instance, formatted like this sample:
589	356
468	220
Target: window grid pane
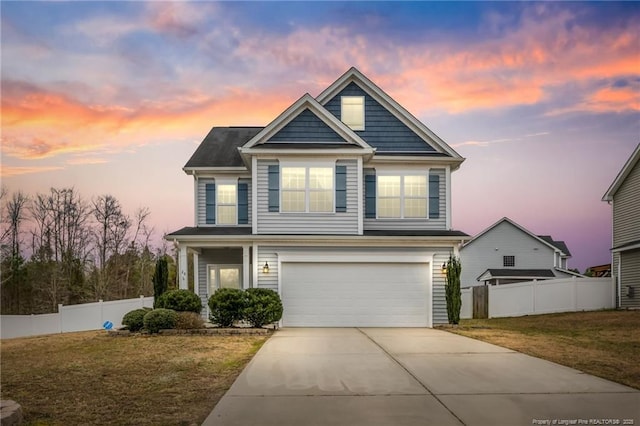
226	194
227	215
293	201
389	207
293	177
415	207
321	178
389	186
415	186
321	201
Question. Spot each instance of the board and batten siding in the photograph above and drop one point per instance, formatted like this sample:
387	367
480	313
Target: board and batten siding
503	240
370	224
201	200
307	223
270	254
382	129
626	209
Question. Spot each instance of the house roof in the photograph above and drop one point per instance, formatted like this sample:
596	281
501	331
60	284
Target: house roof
631	245
246	230
560	245
220	147
626	169
516	273
544	239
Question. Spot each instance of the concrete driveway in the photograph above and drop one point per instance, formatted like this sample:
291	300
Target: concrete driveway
390	376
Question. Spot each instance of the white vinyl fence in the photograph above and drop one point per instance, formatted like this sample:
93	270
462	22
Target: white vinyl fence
548	296
466	312
88	316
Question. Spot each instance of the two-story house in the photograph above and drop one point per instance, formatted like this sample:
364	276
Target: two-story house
624	195
507	253
342	204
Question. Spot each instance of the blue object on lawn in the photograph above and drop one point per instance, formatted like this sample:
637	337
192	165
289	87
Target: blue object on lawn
108	325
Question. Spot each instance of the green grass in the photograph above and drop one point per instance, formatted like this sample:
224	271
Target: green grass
92	378
602	343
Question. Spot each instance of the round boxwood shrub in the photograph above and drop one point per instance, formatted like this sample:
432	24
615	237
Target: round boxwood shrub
180	301
189	321
262	306
160	319
226	306
133	320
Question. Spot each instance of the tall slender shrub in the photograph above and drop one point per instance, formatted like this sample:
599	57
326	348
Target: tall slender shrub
160	280
452	289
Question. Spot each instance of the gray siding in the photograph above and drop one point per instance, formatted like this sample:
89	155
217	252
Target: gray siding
411	224
308	223
306	127
630	277
382	129
270	254
626	209
201	200
481	254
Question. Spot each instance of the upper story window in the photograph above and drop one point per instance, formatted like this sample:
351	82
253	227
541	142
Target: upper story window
307	189
226	202
508	261
403	196
352	112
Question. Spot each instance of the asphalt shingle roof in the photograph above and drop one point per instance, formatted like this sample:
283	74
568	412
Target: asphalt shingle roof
542	273
560	245
220	147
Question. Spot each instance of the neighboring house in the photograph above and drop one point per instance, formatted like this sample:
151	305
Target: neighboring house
342	204
599	271
506	253
624	195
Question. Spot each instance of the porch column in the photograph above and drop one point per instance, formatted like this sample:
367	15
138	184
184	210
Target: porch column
183	282
196	276
245	267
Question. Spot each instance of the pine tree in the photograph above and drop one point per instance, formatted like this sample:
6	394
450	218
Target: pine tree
452	290
160	279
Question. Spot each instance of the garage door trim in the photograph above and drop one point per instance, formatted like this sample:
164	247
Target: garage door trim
374	257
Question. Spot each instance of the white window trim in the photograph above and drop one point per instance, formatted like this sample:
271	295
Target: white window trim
357	128
402	174
219	182
307	190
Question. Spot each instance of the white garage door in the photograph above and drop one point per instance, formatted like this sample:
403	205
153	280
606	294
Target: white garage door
355	294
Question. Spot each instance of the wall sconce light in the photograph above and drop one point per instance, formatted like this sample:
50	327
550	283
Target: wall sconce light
444	268
265	268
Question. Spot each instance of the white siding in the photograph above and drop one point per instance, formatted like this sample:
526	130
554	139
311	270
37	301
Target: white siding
630	277
626	209
413	224
307	223
503	240
201	200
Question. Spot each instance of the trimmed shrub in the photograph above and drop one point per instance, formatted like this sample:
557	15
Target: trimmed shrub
180	301
262	306
189	321
160	319
134	320
226	306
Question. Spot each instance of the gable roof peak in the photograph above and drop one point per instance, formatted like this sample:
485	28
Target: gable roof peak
622	175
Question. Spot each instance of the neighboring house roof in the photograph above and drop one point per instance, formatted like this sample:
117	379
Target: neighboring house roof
619	180
544	239
627	246
516	274
569	272
560	245
220	147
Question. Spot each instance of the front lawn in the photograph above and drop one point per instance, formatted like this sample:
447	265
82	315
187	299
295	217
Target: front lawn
602	343
92	378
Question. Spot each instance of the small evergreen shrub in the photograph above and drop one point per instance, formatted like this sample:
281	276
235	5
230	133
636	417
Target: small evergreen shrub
189	321
160	319
180	301
134	320
262	306
226	306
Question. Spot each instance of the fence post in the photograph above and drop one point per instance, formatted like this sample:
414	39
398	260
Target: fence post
101	312
60	318
574	286
32	331
141	301
534	287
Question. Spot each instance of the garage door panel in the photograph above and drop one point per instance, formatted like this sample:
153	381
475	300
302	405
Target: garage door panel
355	294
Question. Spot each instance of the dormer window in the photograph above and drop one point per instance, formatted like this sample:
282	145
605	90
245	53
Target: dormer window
352	112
